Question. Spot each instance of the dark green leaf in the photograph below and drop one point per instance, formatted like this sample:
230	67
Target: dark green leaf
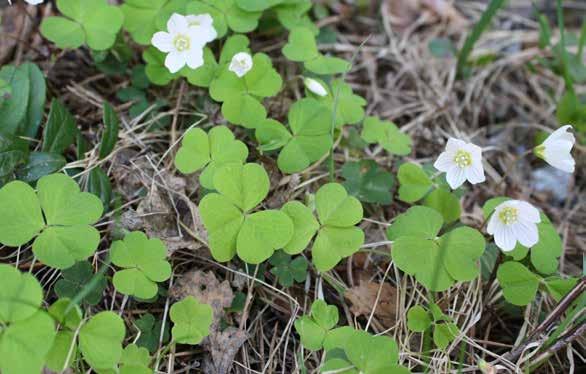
40	164
76	278
99	184
150	332
367	182
13	152
13	109
59	130
111	127
36	100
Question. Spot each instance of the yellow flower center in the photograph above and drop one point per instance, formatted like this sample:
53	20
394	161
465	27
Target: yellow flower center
463	158
509	215
182	42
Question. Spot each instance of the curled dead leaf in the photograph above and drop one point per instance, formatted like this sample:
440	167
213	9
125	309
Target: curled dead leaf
364	297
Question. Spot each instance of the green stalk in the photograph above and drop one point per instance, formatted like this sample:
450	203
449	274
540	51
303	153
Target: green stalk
562	49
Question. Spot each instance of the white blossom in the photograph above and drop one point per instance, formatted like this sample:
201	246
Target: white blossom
555	150
241	64
33	2
514	221
461	161
184	42
315	87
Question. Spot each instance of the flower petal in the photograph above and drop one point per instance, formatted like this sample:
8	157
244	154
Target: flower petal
163	41
527	212
177	24
454	144
526	233
175	61
504	238
445	161
561	133
475	173
455	176
194	57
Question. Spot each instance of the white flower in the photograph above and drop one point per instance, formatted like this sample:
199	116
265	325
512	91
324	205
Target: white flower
514	221
184	43
461	161
315	87
34	2
555	150
204	24
241	64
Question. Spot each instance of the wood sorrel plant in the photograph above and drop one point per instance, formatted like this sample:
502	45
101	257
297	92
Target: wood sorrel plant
54	202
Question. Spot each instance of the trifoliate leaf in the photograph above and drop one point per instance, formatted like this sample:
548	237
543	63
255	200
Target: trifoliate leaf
293	15
225	14
313	328
24	344
286	270
240	96
140	18
350	107
418	319
135	357
244	185
445	202
150	332
545	254
211	150
261	234
311	124
463	247
367	182
301	45
386	134
372	354
144	262
191	319
413	183
338	237
76	279
100	340
304	226
20	293
20	214
444	334
93	22
518	283
417	221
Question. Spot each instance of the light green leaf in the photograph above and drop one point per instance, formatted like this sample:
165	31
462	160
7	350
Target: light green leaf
20	295
417	221
301	45
327	65
144	262
445	202
335	208
100	340
304	223
261	234
444	334
223	221
57	357
372	354
155	68
61	246
414	183
463	247
140	18
191	320
271	135
518	283
545	254
63	32
418	319
312	335
244	185
20	214
334	243
350	107
24	344
386	134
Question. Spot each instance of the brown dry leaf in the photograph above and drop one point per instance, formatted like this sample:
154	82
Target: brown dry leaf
206	288
404	13
15	25
363	298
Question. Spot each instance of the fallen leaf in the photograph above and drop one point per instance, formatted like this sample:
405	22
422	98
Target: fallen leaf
363	299
15	26
223	347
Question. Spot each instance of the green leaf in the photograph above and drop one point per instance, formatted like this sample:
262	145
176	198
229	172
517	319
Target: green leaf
58	357
414	183
150	332
257	5
372	354
301	45
212	150
271	135
61	246
13	152
545	254
261	234
98	184
418	319
244	185
20	295
76	279
444	334
314	328
21	218
155	67
304	226
135	356
293	15
518	283
191	320
59	130
111	128
13	108
327	65
559	287
350	107
490	205
310	123
463	247
417	221
40	164
445	202
140	18
100	340
335	208
36	100
324	315
387	134
24	344
225	14
94	22
66	314
367	182
144	262
286	270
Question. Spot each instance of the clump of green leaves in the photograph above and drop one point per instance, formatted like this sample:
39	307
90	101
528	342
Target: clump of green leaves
349	108
420	319
386	134
58	216
367	182
314	328
436	262
95	23
287	270
144	264
209	151
192	321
